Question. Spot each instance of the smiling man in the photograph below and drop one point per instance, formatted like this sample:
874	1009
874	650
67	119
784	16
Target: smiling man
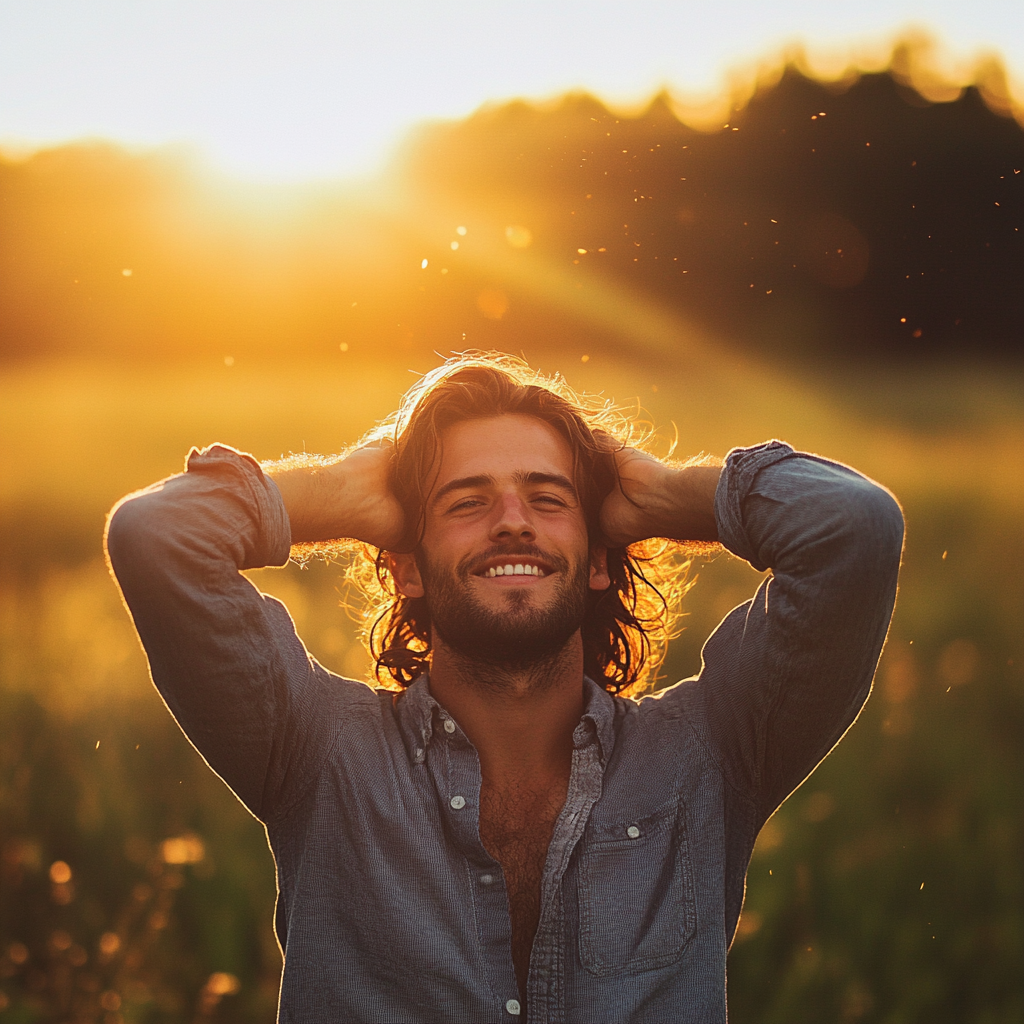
502	833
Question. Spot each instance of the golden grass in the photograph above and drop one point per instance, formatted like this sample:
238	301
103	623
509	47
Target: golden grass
78	433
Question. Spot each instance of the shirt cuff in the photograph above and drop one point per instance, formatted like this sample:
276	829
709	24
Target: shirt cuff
741	467
269	537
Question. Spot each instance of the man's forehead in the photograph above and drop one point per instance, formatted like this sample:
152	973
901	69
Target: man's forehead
502	446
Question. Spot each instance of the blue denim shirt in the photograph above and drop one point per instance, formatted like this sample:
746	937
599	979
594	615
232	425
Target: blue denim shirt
389	906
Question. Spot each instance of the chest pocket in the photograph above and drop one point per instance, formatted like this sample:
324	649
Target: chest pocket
636	896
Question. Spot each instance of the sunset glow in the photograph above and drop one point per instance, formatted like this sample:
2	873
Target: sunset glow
259	224
306	90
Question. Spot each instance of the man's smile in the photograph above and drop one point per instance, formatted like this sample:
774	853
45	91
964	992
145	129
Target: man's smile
517	568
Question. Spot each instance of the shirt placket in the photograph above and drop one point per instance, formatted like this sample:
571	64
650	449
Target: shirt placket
548	960
458	778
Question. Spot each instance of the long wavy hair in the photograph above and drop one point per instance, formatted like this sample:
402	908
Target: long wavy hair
626	628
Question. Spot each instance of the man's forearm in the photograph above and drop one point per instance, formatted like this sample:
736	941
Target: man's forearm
312	489
681	504
339	496
654	499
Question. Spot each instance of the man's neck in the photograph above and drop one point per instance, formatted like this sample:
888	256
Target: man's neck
520	720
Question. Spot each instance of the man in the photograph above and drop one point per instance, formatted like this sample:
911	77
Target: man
505	838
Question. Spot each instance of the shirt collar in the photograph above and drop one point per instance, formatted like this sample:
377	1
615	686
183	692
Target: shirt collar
417	710
419	714
599	709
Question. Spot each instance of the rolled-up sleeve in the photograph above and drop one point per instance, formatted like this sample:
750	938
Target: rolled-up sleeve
786	673
225	658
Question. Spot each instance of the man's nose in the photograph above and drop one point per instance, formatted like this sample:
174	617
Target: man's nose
512	520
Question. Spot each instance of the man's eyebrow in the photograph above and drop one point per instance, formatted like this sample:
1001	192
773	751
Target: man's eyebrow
485	480
554	479
464	482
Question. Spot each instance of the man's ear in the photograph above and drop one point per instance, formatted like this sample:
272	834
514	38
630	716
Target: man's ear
407	574
599	578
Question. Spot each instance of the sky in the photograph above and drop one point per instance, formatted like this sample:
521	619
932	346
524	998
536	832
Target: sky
311	89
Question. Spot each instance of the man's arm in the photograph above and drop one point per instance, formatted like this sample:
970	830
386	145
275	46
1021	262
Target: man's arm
785	674
225	657
655	499
341	496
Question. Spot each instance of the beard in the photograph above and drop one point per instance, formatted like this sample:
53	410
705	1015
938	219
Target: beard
517	636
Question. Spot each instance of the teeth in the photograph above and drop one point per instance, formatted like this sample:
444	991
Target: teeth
520	569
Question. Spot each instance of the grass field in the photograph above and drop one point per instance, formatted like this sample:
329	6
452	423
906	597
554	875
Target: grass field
887	889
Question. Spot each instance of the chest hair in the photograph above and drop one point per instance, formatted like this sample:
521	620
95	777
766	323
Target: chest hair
516	825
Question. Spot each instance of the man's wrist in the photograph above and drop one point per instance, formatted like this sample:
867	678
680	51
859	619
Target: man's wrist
310	488
684	506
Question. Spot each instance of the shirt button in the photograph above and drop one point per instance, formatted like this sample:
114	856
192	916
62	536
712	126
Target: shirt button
458	802
486	879
449	725
513	1007
633	832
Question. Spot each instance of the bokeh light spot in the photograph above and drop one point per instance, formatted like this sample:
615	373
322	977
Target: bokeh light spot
221	983
110	1001
60	872
493	303
186	849
518	237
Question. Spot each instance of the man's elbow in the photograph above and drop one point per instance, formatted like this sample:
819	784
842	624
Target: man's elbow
877	519
131	529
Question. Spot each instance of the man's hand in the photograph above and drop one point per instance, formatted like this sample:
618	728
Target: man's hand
657	500
347	497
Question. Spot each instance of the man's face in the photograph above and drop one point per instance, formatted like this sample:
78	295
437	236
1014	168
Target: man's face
505	563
